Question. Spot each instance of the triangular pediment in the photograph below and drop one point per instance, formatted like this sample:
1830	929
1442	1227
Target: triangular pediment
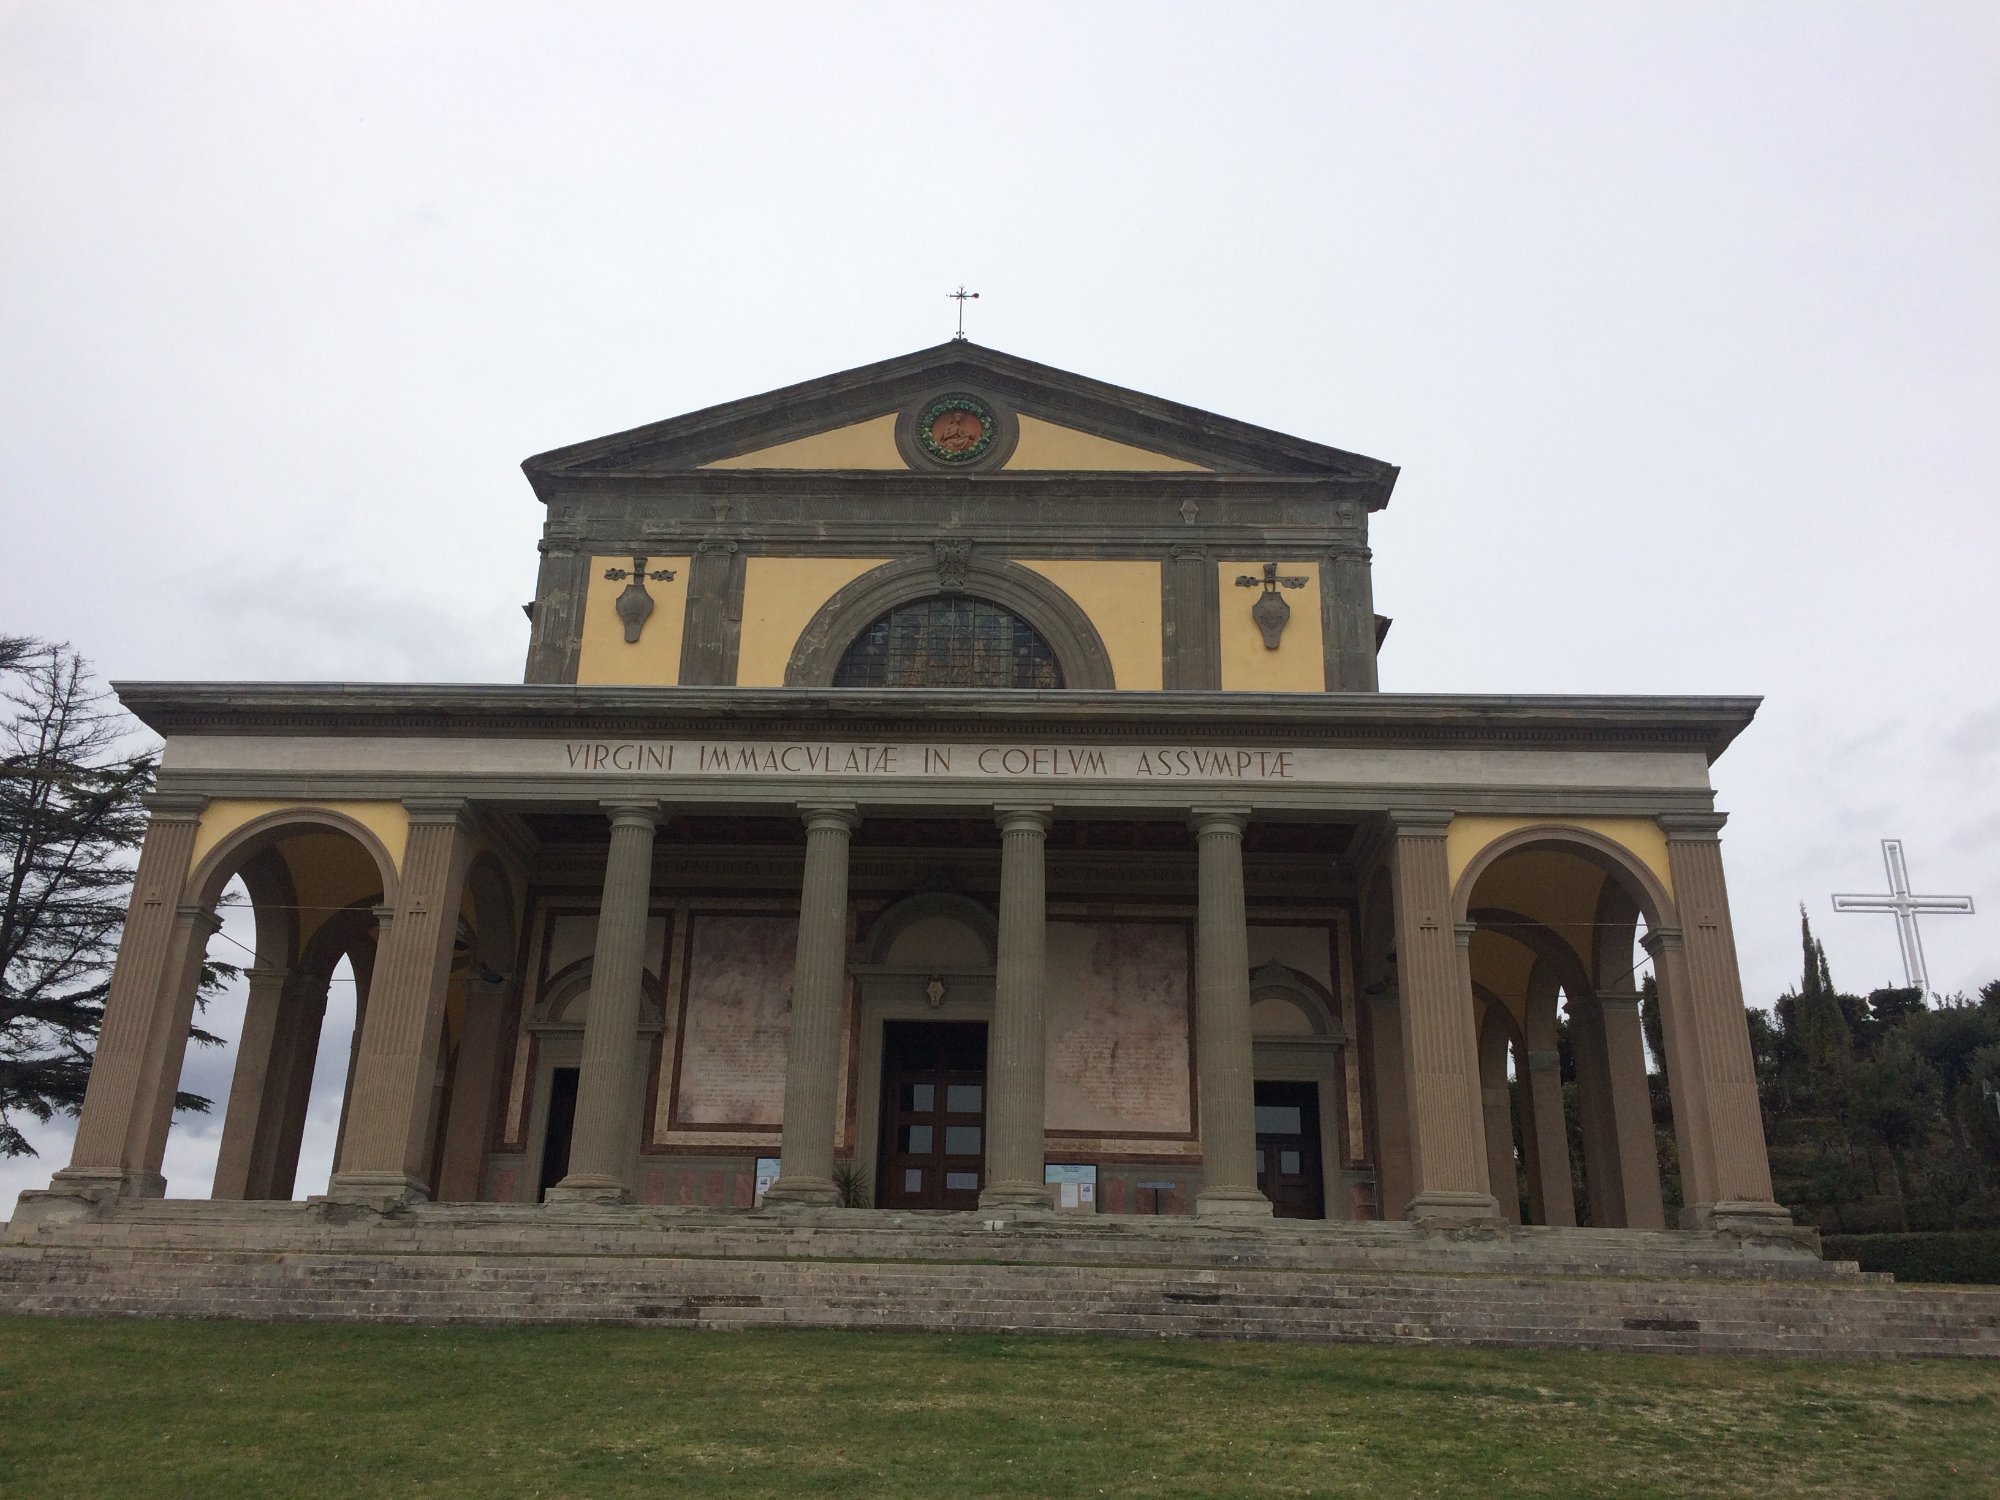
860	419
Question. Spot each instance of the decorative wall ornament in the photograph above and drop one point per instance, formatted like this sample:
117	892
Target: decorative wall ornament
635	605
1189	510
934	991
1269	610
956	429
952	560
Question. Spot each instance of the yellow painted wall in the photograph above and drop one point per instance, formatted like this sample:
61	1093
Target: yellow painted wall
1299	663
330	872
1122	600
872	445
655	658
863	445
1045	445
1641	837
386	820
780	597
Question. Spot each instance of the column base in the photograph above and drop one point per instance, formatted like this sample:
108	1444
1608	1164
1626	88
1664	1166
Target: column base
589	1187
1441	1209
802	1192
1753	1223
1231	1203
1016	1195
376	1189
102	1185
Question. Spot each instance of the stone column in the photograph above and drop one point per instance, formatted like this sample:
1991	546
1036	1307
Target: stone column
1593	1107
1016	1056
475	1090
1392	1105
819	985
555	635
1634	1158
307	1015
1349	593
395	1066
1542	1108
1222	1022
1190	619
1709	1067
1496	1111
1440	1048
139	1044
601	1143
255	1111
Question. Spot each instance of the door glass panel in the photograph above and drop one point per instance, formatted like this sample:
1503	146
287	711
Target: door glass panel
920	1096
961	1182
913	1180
916	1139
1288	1163
961	1140
1279	1119
963	1098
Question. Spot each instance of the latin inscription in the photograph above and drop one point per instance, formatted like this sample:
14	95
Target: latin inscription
715	758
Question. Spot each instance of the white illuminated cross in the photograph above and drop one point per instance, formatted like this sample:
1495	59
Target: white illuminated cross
1905	907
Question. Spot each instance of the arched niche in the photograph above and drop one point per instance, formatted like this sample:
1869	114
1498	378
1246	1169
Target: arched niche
933	931
1297	1038
1077	646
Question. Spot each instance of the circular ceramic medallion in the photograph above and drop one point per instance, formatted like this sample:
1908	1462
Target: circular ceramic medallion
956	429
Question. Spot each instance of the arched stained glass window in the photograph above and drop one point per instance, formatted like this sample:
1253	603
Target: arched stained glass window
952	640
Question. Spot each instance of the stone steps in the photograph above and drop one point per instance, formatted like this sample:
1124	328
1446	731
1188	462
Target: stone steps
1823	1318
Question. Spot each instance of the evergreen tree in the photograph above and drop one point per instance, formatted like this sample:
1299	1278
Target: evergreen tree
70	815
1825	1039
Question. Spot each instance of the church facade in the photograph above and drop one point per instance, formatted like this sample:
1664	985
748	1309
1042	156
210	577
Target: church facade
952	784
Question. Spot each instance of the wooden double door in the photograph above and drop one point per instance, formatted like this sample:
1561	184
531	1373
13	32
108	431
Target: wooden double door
933	1147
1288	1155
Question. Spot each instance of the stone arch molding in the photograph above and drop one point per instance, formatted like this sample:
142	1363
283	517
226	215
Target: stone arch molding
566	986
1276	981
905	914
266	831
1077	646
1655	905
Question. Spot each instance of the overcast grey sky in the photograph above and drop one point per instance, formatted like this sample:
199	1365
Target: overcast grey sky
1681	320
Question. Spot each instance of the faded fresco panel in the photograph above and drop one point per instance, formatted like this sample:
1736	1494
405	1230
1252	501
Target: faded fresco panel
1118	1027
739	1018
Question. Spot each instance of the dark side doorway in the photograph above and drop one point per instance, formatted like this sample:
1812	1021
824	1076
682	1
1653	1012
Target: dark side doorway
933	1148
1288	1165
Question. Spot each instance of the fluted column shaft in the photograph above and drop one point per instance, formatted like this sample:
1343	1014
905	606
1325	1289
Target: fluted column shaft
138	1045
1222	1022
819	985
475	1088
1392	1108
601	1143
1709	1066
1440	1046
395	1066
1016	1052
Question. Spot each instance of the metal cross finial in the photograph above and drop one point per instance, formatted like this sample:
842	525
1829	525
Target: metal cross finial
1905	908
961	297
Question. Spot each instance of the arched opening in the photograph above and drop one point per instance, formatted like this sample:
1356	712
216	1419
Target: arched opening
1298	1065
950	641
1563	1065
313	882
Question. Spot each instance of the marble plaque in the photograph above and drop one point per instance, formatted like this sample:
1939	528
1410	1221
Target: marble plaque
738	1019
1118	1027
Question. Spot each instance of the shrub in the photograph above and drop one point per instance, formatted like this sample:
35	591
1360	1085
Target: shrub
1965	1256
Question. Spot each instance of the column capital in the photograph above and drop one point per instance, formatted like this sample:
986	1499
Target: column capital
170	807
1218	819
203	919
633	812
1349	552
1691	825
1618	999
1419	822
819	815
439	812
1023	816
1188	552
1463	932
1660	940
267	973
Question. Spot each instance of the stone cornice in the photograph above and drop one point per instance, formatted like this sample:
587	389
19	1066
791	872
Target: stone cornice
1461	720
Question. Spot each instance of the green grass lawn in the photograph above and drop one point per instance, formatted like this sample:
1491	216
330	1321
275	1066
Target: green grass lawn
223	1409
